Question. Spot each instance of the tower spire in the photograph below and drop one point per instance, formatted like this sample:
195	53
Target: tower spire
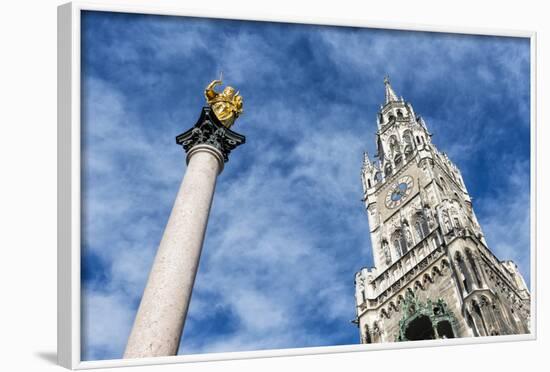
366	161
390	94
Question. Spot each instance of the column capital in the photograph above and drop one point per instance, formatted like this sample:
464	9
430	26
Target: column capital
209	131
208	149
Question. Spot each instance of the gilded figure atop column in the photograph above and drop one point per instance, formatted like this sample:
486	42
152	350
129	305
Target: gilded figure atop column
227	105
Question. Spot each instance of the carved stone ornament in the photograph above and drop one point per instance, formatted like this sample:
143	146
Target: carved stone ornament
361	281
429	217
210	131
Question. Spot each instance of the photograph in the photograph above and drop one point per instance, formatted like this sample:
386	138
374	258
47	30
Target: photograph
259	185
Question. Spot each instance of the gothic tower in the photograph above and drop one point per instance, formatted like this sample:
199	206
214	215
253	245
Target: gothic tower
434	275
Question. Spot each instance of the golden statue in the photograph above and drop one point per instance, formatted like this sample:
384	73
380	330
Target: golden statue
227	105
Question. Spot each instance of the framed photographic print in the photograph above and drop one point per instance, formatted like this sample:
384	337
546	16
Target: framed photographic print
238	187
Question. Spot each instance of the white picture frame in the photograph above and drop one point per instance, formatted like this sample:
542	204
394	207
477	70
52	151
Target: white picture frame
69	185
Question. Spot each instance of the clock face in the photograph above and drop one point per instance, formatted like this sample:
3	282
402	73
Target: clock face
399	192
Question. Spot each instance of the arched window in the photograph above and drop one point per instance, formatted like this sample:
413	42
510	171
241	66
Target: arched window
368	339
473	265
456	220
418	140
376	332
420	328
400	300
388	170
472	324
421	226
466	280
397	247
399	243
409	143
435	240
399	114
394	145
408	151
407	235
477	314
408	137
368	183
445	330
380	148
378	177
386	252
443	184
398	160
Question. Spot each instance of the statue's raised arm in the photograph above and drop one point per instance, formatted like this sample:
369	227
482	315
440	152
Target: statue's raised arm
227	105
209	92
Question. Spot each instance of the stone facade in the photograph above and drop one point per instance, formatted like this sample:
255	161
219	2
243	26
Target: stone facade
434	275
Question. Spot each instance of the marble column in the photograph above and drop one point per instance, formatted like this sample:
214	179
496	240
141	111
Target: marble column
163	309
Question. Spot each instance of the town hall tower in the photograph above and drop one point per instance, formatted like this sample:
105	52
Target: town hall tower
434	275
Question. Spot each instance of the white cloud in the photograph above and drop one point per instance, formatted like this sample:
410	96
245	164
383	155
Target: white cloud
107	319
505	218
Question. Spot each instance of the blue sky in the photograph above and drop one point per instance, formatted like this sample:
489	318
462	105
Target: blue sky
287	230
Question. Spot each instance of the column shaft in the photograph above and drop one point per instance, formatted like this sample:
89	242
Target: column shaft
163	309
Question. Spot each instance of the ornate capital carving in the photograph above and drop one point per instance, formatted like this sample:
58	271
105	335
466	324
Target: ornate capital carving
209	131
